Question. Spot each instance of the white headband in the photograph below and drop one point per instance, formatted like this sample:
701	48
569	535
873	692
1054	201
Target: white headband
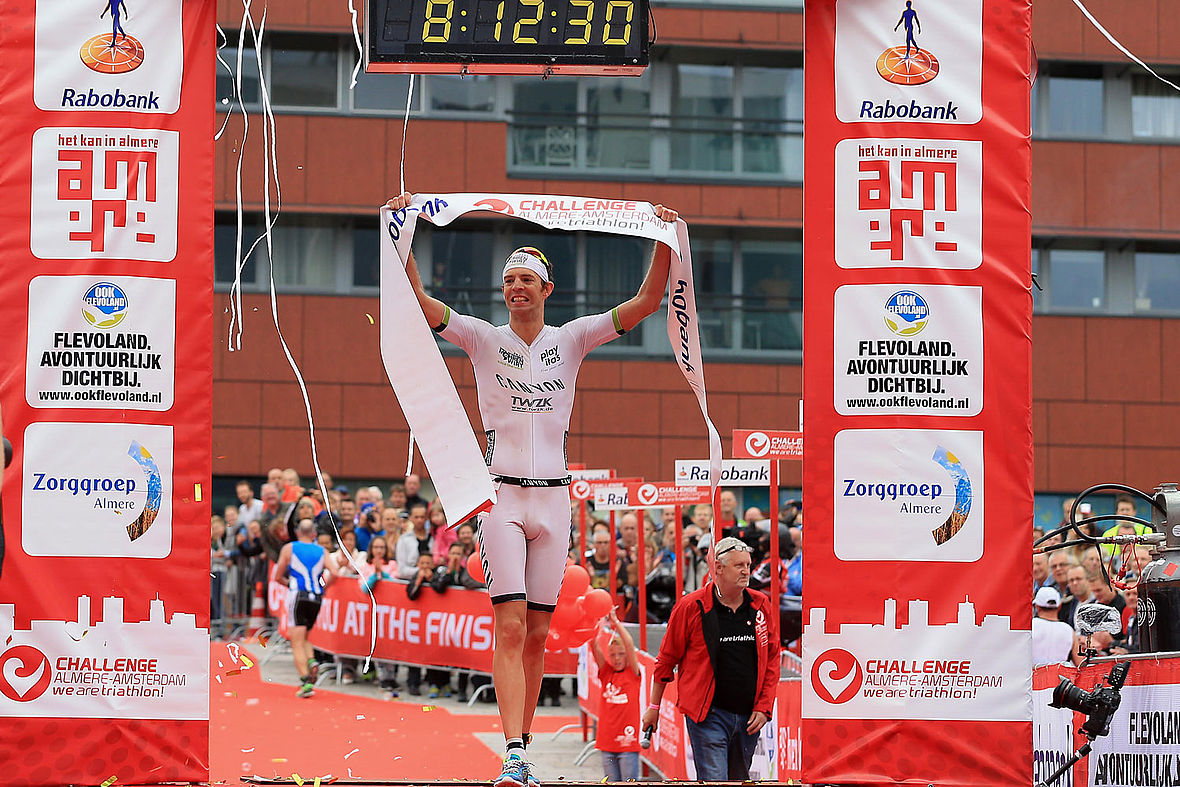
522	259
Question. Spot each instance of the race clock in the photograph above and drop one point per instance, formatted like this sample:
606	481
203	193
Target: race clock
507	36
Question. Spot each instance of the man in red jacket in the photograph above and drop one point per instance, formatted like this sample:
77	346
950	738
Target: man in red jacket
723	643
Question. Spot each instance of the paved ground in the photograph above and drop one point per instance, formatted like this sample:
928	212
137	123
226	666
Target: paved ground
553	754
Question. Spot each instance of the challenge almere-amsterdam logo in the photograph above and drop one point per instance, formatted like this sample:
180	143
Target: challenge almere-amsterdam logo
909	61
109	55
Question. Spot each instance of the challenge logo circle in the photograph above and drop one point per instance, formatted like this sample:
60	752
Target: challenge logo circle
580	489
906	313
100	54
104	305
917	69
648	494
836	676
24	673
757	444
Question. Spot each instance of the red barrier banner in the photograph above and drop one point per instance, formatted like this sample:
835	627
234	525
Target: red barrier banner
106	246
1143	747
452	629
918	389
767	444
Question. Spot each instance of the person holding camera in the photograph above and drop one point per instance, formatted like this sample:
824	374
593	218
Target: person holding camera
722	649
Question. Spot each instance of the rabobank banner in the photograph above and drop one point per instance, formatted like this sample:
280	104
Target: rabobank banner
106	252
918	473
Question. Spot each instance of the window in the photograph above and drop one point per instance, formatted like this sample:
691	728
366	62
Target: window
225	234
769	97
462	270
772	295
618	119
1077	279
366	254
1157	281
545	122
304	71
712	273
384	92
226	80
615	267
454	93
1155	108
1075	102
306	251
702	112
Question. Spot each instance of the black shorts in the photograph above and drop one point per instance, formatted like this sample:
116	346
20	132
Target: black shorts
302	608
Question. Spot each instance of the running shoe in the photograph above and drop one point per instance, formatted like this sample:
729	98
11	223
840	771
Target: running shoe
514	773
313	671
533	781
306	690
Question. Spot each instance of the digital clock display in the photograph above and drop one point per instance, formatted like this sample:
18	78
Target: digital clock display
508	36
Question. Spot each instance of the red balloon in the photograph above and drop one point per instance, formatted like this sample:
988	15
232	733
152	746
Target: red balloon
575	582
475	567
566	616
556	640
597	603
582	635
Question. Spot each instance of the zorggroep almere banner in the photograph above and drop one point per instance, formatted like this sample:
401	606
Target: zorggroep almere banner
918	476
106	247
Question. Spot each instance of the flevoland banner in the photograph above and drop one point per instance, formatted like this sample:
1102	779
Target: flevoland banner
105	379
918	476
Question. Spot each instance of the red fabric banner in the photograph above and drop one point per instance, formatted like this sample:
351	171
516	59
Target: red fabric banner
451	629
106	244
917	383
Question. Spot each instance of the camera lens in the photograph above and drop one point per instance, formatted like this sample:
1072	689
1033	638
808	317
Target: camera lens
1067	695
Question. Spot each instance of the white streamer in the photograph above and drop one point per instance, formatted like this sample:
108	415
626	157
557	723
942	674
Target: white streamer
222	40
270	169
402	190
360	51
1115	42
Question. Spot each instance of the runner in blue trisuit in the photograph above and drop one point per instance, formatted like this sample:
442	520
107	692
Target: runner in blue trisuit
116	7
909	17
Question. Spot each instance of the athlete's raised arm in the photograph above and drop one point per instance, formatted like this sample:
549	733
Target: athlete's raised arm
655	283
434	309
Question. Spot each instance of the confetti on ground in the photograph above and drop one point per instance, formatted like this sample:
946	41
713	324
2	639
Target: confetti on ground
217	678
110	781
233	672
246	660
197	492
370	318
247	751
253	701
360	717
354	751
282	759
427	708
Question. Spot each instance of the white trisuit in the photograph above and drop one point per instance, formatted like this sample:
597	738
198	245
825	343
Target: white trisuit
526	395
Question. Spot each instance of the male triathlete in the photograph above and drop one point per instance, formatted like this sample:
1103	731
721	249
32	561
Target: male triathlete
909	17
524	378
302	562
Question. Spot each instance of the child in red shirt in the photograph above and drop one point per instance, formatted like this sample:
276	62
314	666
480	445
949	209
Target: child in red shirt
618	720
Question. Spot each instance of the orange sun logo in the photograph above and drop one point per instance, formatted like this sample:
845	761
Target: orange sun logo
917	69
101	55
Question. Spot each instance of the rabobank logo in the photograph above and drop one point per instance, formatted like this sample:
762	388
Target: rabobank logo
906	313
108	496
115	52
104	305
836	676
25	673
102	58
908	495
887	67
909	64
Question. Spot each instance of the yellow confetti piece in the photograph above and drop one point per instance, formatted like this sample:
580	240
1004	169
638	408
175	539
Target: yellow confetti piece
246	660
427	708
370	318
297	780
283	759
110	781
197	492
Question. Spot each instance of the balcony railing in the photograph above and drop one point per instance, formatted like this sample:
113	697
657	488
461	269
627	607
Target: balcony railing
660	146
